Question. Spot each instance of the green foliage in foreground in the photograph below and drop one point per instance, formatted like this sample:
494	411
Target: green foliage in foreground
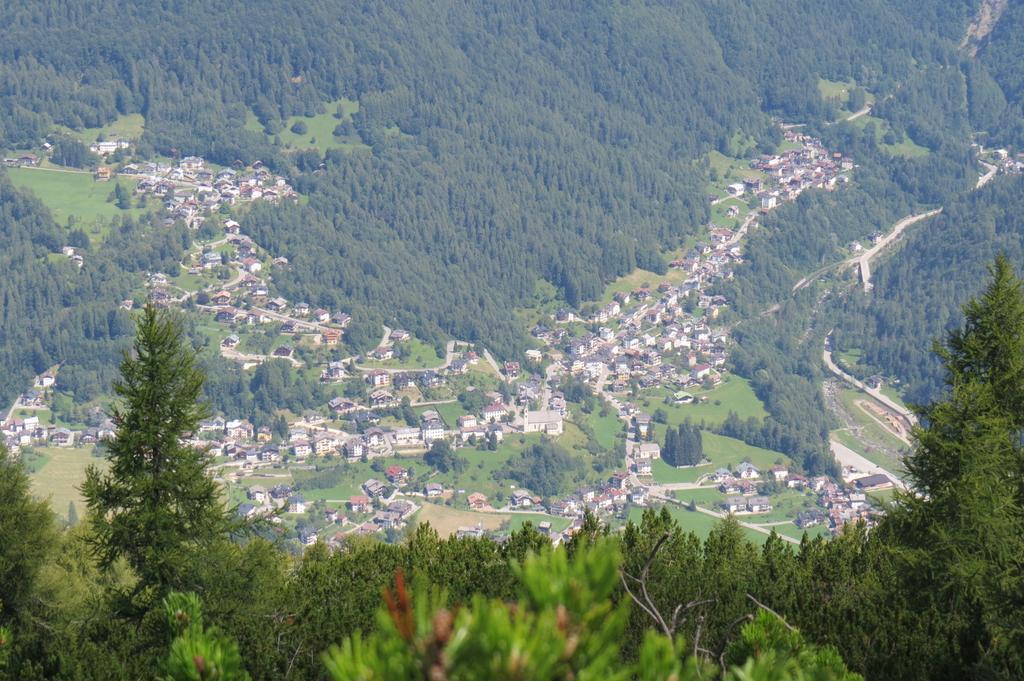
564	625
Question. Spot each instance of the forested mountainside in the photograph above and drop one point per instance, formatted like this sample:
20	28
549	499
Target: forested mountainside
506	144
918	293
1003	56
52	311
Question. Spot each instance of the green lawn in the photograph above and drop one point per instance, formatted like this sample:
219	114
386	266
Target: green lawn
45	416
641	278
420	356
849	358
708	497
838	90
893	394
75	194
883	497
734	394
719	213
519	519
319	129
450	412
33	460
606	428
723	452
726	450
907	148
785	506
698	523
728	171
128	127
61	476
793	532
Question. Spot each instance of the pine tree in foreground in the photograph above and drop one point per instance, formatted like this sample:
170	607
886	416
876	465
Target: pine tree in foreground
959	538
155	507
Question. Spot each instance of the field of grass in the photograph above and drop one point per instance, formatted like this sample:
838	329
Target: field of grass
723	452
519	519
640	278
129	127
728	170
45	416
664	474
420	356
719	213
450	412
447	520
698	523
726	450
893	394
849	358
793	532
606	428
319	129
708	497
883	497
734	394
873	429
907	148
33	460
838	90
75	194
62	474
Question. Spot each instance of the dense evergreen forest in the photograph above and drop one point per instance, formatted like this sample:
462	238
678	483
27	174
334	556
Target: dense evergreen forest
508	144
918	293
53	312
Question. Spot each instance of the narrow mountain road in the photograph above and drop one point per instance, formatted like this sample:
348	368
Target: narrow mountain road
228	353
857	114
863	261
991	172
449	357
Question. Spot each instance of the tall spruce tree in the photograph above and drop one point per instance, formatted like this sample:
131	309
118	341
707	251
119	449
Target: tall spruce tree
155	507
961	534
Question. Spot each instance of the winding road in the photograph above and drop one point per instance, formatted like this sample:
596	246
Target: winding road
863	261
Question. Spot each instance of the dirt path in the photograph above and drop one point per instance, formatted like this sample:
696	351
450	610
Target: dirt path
991	171
857	114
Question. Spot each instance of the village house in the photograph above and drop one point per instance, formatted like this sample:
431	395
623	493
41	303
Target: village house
360	504
378	378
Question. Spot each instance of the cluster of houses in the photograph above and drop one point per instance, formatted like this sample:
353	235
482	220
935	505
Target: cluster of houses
664	336
655	343
28	431
189	188
789	174
374	511
1007	162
